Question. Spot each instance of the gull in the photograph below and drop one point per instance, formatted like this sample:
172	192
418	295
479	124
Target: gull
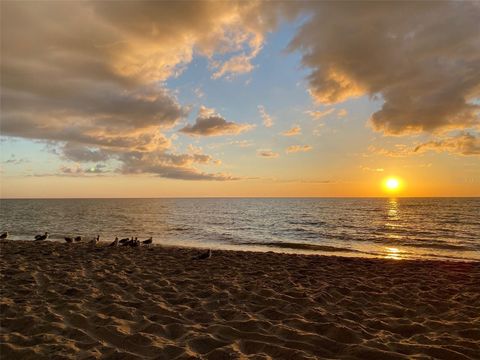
134	243
94	241
115	242
148	241
77	238
41	237
204	256
125	240
4	235
68	239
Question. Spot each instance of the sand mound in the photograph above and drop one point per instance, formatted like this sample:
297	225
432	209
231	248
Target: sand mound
66	301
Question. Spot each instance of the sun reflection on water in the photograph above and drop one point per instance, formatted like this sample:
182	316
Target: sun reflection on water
393	253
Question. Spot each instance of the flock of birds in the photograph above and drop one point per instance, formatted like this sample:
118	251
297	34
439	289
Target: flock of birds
133	242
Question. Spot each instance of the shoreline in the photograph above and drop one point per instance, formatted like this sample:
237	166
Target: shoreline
155	302
288	248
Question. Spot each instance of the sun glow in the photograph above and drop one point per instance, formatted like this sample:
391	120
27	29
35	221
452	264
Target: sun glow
392	184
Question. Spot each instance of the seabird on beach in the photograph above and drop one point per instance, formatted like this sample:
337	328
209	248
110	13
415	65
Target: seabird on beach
94	241
204	256
68	239
125	240
77	238
115	242
134	243
42	237
148	241
4	235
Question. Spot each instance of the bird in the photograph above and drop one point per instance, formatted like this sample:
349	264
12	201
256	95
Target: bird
123	241
115	242
204	256
4	235
68	239
41	237
77	238
134	243
94	241
148	241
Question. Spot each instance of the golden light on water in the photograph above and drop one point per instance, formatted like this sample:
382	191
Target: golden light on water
392	253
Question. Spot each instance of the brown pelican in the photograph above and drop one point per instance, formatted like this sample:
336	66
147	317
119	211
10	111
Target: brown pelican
148	241
68	239
42	237
77	238
115	242
204	256
4	235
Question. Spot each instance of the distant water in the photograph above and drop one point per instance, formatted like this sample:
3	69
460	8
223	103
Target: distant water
427	228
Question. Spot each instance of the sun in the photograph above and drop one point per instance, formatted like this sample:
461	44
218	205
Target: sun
392	184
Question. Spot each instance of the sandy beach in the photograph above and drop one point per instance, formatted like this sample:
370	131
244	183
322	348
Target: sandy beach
69	301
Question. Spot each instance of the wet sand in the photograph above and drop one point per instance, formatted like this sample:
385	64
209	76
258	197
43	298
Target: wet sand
70	301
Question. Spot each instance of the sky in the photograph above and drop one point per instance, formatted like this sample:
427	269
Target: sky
208	98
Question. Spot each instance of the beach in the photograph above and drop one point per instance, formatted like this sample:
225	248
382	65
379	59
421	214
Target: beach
74	301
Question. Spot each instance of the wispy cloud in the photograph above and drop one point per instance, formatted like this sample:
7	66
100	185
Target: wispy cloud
298	148
293	131
267	118
267	153
318	114
463	144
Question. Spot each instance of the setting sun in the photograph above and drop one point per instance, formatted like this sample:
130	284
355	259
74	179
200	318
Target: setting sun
392	184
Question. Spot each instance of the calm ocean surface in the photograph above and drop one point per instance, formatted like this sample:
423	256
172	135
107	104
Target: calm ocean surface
433	228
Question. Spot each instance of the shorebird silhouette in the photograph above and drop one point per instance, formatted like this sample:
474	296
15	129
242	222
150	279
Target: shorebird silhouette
125	240
134	242
204	256
148	241
42	237
68	239
4	235
94	241
77	238
115	242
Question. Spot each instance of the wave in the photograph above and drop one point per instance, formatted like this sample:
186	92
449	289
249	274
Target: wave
301	246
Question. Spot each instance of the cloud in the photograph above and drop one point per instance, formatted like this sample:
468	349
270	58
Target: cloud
298	148
13	160
294	131
79	153
239	64
317	114
267	119
174	166
400	150
462	144
77	170
366	168
90	76
267	153
421	58
210	123
342	113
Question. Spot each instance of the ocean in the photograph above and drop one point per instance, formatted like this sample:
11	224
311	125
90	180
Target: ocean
402	228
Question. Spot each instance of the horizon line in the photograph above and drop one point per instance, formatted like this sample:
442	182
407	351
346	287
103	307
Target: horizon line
239	197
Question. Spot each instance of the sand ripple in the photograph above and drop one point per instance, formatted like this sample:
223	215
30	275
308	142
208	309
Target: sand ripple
62	301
